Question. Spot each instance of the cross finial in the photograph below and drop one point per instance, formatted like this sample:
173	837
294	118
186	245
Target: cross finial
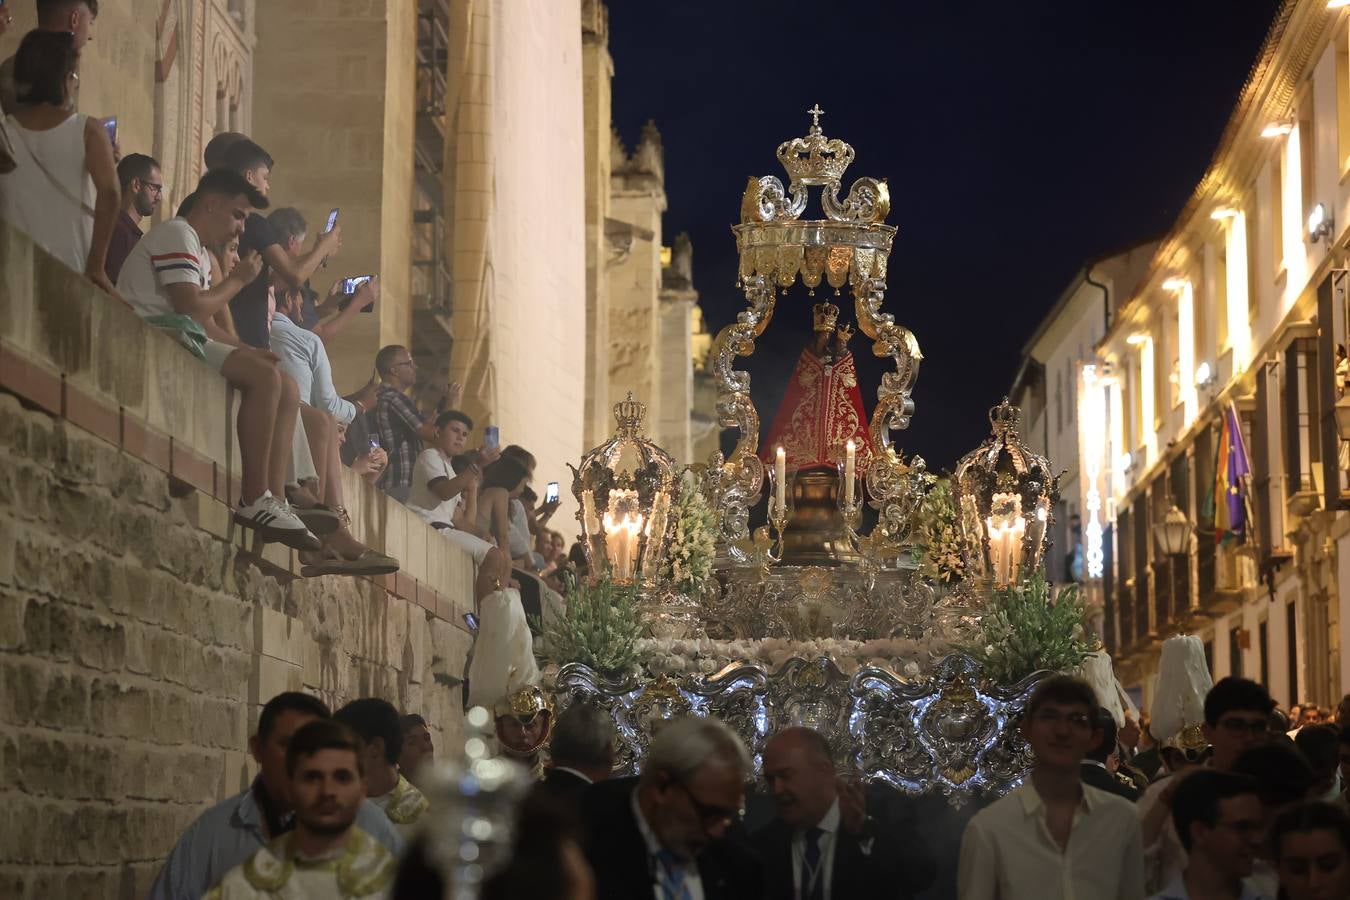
815	112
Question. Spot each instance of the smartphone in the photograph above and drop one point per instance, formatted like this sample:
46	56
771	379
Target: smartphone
491	436
472	621
349	285
374	442
111	125
332	220
551	492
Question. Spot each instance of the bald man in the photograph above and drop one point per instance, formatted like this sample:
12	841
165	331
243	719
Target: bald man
824	845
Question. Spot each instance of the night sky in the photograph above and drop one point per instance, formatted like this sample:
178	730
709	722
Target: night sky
1019	140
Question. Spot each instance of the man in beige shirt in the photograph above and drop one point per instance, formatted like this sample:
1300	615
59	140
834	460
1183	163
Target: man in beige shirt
1054	838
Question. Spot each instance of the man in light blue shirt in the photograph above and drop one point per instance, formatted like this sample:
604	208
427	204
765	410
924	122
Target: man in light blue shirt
304	358
233	830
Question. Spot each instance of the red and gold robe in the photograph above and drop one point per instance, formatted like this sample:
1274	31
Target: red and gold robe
821	410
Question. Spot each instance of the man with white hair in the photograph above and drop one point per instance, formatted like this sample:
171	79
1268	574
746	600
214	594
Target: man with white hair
664	835
581	750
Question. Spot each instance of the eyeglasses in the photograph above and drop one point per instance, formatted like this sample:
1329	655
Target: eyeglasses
1236	726
406	362
710	816
157	188
1053	717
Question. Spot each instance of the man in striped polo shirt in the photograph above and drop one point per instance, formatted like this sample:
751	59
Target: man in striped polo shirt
167	276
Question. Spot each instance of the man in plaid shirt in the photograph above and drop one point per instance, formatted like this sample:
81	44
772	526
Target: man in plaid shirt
396	422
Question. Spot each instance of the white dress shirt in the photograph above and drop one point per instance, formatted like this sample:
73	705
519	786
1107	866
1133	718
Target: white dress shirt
1008	852
801	879
691	883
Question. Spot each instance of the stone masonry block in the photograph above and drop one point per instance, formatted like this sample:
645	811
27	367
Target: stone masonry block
279	635
273	676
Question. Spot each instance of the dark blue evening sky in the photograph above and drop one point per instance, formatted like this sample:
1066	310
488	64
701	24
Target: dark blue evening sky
1019	139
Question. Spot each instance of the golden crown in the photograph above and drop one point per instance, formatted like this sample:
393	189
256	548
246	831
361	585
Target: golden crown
629	414
815	159
826	315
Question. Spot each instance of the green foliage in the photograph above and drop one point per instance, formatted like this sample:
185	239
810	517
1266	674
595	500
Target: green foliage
1025	629
600	628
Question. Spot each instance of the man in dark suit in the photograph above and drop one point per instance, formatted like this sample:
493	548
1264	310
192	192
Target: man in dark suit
667	834
1094	771
824	845
582	753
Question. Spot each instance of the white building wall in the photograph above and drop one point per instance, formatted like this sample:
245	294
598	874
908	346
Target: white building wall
539	308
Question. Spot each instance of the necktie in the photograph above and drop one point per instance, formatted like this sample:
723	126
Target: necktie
813	879
670	880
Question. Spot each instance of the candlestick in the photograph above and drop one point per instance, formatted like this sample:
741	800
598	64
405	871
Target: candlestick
850	454
780	479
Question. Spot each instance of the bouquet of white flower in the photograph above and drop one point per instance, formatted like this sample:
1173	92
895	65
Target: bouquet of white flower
693	543
944	557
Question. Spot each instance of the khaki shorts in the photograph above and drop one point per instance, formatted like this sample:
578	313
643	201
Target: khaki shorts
217	353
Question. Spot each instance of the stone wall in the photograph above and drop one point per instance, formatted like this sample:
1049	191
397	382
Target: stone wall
334	91
139	630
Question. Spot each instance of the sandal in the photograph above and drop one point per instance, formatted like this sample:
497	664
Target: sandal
320	519
370	562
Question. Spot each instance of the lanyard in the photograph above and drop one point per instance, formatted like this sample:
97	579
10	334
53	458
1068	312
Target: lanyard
811	875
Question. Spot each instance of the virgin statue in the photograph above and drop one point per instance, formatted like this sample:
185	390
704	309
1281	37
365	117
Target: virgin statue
822	408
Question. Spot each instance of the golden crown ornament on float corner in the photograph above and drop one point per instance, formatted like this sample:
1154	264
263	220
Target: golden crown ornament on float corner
624	488
850	246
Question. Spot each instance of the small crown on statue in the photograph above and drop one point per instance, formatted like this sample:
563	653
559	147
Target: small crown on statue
826	316
815	159
630	413
1005	417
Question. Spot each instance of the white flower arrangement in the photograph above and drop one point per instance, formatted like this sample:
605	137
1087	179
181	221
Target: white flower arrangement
938	530
693	542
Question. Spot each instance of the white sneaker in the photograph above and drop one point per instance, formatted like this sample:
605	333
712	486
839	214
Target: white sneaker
274	521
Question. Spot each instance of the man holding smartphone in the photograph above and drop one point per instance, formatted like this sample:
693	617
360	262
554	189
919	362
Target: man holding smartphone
249	307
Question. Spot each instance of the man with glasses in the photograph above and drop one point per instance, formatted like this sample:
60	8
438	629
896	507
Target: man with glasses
396	421
1237	718
142	188
1053	837
666	834
1220	820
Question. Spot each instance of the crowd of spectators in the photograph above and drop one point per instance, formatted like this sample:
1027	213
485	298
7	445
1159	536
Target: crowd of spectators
231	281
1105	812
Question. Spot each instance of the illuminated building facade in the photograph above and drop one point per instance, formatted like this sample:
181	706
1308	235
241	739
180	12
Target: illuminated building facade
1239	311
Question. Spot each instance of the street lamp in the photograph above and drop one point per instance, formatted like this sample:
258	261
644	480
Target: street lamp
1173	533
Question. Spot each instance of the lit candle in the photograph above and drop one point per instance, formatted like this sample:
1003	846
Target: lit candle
588	509
634	529
612	540
780	480
1015	533
850	456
